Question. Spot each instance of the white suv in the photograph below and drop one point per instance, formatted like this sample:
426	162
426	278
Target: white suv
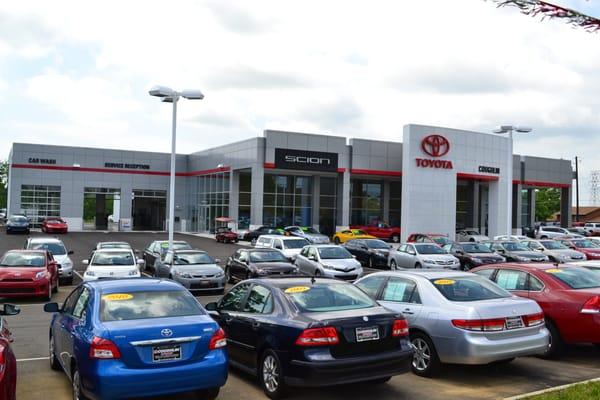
112	263
592	228
550	232
290	246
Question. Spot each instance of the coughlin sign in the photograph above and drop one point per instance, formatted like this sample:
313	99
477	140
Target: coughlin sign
306	160
434	146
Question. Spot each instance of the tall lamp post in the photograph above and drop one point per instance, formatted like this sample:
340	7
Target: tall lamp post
509	165
169	95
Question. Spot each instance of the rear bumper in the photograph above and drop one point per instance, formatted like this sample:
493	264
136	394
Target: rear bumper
22	229
478	349
349	370
24	289
56	230
111	379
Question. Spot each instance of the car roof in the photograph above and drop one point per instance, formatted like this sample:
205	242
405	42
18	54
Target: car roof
134	285
174	241
100	243
27	251
112	250
324	245
529	266
296	280
189	251
427	274
281	237
44	240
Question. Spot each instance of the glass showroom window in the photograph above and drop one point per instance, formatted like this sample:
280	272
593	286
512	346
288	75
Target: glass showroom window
213	199
366	202
39	202
395	202
244	200
287	200
525	207
327	205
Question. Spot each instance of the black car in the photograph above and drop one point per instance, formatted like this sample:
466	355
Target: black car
473	254
158	249
370	252
251	236
255	263
17	223
311	332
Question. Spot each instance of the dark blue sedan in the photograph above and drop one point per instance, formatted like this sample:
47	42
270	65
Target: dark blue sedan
134	338
311	332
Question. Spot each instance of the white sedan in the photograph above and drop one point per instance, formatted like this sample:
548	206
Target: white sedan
112	263
422	255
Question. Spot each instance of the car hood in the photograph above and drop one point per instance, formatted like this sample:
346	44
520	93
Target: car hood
199	268
316	236
528	254
566	253
291	252
63	259
486	256
60	225
342	264
275	266
438	257
19	272
14	223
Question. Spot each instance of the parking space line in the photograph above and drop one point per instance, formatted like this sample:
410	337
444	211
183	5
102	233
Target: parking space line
146	274
32	359
78	274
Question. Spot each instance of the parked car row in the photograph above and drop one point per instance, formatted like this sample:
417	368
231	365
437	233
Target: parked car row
20	223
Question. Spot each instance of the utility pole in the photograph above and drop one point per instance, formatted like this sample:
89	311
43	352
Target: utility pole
576	189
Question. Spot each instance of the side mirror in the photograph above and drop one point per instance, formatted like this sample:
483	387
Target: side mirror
10	309
85	262
217	261
140	261
70	252
51	307
312	258
353	256
212	306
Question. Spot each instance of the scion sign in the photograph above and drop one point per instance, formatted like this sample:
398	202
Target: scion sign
306	160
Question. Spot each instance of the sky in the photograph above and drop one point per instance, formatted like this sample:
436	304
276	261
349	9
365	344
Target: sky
78	73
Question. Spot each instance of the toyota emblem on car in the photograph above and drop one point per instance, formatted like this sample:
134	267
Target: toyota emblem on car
166	332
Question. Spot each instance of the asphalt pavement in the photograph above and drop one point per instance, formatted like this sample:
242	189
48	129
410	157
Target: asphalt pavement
37	380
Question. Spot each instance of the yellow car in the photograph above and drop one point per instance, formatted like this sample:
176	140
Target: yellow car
344	236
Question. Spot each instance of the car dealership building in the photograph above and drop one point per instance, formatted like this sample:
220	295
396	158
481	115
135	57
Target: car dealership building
436	180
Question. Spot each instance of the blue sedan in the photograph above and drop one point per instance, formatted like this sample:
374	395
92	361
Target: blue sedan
136	338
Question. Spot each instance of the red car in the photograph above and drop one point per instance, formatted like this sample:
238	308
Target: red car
226	235
28	273
585	246
568	295
54	225
436	238
8	362
381	231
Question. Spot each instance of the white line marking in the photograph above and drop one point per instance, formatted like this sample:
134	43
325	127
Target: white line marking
78	274
146	274
32	359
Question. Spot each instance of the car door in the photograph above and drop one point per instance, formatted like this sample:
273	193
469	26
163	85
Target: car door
163	267
361	251
301	261
227	310
411	256
60	327
240	265
401	295
401	256
513	280
253	322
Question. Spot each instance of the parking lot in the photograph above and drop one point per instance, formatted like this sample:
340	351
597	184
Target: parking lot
36	379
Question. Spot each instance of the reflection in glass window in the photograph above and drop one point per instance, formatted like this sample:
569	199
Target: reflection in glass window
287	200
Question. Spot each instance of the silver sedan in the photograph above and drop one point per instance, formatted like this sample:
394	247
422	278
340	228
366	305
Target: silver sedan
422	255
332	261
194	269
459	317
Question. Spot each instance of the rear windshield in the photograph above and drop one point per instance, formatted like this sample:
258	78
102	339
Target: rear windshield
333	253
18	219
584	244
193	258
23	260
475	248
576	278
376	244
553	245
321	297
267	256
469	288
57	249
514	246
143	305
113	258
429	249
115	246
294	243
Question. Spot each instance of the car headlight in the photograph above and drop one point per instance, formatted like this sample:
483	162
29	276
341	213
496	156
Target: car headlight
428	261
261	271
134	272
90	273
524	259
219	274
40	275
327	266
186	275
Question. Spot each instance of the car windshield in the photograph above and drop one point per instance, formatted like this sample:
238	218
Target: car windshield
333	253
311	230
295	243
147	305
441	240
328	296
585	244
553	245
114	246
575	277
514	246
358	232
376	244
193	258
267	256
18	219
469	288
429	249
57	249
164	246
472	233
475	248
14	259
114	258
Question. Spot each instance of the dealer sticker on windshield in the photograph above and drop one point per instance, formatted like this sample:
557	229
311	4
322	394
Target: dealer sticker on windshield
297	289
554	270
117	297
444	282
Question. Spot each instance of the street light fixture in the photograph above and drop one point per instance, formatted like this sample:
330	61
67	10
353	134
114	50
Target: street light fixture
169	95
509	166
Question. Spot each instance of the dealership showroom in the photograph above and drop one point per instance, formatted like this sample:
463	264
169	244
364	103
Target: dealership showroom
432	179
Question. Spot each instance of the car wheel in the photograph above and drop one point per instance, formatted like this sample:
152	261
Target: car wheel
317	272
336	240
228	277
472	240
253	242
396	238
76	384
54	364
504	362
556	345
425	359
55	289
208	394
271	375
418	265
393	265
544	237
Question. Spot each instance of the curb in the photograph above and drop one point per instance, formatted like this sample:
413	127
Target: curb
552	389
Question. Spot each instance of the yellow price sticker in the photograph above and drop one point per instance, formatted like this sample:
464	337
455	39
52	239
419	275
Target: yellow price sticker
554	270
297	289
444	282
117	297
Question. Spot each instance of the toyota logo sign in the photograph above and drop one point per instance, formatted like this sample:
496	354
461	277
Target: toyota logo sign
435	145
166	332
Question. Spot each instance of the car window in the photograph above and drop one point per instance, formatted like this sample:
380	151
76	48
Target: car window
328	296
295	243
69	303
112	258
267	256
193	259
511	279
575	278
243	257
402	248
232	300
260	301
334	253
427	248
17	259
148	305
486	273
304	252
58	249
371	285
81	303
398	290
535	284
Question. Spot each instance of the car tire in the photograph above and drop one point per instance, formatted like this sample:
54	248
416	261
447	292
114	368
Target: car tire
228	277
557	345
76	386
54	363
55	288
504	362
544	237
253	242
395	238
270	376
472	240
336	240
317	272
393	265
209	394
426	362
418	266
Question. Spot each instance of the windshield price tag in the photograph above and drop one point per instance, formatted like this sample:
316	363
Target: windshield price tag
297	289
444	282
554	271
117	297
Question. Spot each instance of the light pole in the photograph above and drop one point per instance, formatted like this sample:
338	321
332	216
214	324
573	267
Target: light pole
509	166
169	95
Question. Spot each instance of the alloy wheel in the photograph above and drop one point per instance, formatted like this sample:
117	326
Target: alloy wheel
393	265
270	373
76	386
422	354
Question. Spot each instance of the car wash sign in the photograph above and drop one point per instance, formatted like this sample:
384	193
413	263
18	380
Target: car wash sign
306	160
435	147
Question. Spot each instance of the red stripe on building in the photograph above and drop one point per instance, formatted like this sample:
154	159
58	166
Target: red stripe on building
542	184
375	172
119	170
476	177
269	165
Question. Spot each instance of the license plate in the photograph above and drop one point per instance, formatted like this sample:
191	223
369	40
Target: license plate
204	283
166	353
514	322
366	334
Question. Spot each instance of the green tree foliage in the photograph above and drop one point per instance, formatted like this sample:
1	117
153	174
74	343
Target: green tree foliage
3	183
547	202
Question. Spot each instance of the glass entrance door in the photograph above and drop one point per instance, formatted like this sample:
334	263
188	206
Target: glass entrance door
203	218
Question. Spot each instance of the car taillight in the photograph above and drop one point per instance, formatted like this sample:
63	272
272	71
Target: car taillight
400	328
218	340
592	306
104	349
533	319
481	325
2	359
325	336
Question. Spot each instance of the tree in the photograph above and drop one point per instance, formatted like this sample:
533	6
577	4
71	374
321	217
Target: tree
3	183
547	202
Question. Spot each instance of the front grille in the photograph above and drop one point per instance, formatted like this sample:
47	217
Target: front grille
280	272
16	290
17	280
204	276
444	262
199	286
347	277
